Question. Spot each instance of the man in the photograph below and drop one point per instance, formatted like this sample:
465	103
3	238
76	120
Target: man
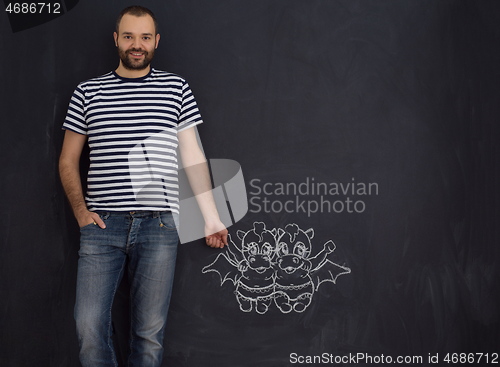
133	118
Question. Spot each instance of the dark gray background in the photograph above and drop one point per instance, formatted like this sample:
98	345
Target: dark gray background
401	93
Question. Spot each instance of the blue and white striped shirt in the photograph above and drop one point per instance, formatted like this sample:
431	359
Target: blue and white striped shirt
132	127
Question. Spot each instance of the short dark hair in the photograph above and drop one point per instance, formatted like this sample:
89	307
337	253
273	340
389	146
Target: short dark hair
138	11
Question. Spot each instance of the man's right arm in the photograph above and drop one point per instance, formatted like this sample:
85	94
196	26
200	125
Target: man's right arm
69	170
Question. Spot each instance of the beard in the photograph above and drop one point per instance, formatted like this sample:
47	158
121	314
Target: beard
131	64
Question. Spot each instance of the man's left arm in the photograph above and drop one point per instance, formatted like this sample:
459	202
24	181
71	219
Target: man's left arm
196	167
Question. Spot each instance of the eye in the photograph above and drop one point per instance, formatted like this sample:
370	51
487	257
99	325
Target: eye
283	248
146	38
253	248
300	249
266	248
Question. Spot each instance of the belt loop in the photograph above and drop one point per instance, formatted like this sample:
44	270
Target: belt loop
156	214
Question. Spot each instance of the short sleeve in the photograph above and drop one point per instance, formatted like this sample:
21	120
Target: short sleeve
189	115
75	117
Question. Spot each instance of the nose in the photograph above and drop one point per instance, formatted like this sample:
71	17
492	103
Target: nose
137	43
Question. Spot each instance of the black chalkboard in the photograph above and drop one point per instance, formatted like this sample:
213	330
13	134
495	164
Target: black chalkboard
365	130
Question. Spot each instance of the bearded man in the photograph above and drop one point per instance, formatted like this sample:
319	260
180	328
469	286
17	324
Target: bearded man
133	118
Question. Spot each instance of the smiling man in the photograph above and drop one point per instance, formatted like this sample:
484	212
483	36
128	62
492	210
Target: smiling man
133	118
135	50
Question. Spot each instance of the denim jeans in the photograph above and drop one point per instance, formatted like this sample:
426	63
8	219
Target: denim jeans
145	245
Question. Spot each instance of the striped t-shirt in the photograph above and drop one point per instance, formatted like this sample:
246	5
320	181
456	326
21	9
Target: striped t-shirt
132	127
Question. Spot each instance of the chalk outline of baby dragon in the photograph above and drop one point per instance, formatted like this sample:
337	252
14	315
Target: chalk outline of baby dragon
231	264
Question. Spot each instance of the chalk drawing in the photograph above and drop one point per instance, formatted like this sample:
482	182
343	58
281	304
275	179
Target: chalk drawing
275	266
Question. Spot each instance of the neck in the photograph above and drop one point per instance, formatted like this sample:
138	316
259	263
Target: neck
127	73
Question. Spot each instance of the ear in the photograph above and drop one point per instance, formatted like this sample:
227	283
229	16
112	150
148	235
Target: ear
310	233
240	234
115	36
157	40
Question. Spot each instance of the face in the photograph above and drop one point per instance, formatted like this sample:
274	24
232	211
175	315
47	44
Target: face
136	41
259	250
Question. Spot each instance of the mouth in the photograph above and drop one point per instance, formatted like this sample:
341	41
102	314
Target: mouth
136	55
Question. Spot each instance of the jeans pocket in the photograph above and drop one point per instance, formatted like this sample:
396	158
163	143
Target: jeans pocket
167	221
90	225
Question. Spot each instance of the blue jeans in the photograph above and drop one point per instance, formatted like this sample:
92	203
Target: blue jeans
145	245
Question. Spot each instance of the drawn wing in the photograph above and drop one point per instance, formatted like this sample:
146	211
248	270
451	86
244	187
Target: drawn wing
225	267
233	251
328	272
